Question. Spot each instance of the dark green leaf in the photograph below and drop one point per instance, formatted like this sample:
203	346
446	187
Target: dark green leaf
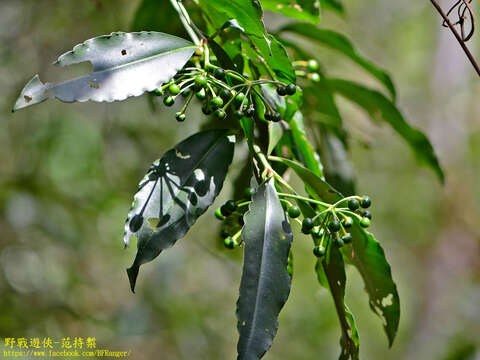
275	133
177	189
265	283
124	65
331	274
304	10
380	107
369	258
340	43
322	190
154	15
223	58
334	5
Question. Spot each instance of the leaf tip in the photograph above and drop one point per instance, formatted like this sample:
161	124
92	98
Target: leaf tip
34	92
132	273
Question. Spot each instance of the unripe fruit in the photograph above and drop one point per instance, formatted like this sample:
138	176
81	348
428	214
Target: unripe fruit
267	116
230	205
229	243
365	202
238	114
316	233
276	117
347	239
312	65
219	114
315	77
157	92
219	73
249	192
217	101
219	215
319	251
291	89
239	97
365	222
338	242
169	101
367	214
225	211
250	112
353	204
180	117
224	94
201	94
334	226
294	211
307	223
174	89
200	82
347	222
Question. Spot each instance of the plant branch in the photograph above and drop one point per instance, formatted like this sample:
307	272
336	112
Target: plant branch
185	19
457	36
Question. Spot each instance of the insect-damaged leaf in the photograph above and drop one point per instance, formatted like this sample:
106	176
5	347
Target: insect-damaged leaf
124	65
265	283
177	189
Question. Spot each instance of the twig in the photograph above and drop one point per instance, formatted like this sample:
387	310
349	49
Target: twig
457	36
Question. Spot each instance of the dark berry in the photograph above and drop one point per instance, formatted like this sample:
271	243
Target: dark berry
291	89
136	223
250	112
238	114
249	192
281	91
225	211
334	226
229	243
219	73
219	215
217	101
316	233
174	89
267	116
276	117
367	214
224	94
224	234
347	239
353	204
306	231
365	222
294	211
312	65
365	202
219	114
347	222
180	117
230	205
338	242
169	101
319	251
307	223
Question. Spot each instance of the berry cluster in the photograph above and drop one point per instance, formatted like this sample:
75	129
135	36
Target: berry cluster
221	92
331	225
307	69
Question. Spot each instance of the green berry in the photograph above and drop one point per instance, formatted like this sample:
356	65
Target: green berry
365	222
224	94
219	73
294	211
338	242
347	222
157	92
290	270
353	204
315	77
230	206
201	94
365	202
347	239
174	89
217	101
276	117
169	101
281	91
224	234
319	251
291	89
312	65
334	226
219	114
316	233
219	215
229	243
238	114
239	98
249	192
307	223
180	116
186	92
200	82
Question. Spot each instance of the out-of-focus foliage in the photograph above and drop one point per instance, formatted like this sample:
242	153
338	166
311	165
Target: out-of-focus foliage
68	171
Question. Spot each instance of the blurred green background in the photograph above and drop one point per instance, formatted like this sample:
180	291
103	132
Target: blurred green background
68	173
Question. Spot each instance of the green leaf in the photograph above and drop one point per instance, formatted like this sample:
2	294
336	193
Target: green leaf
331	274
177	189
124	65
380	107
369	258
334	5
153	15
340	43
275	133
322	189
304	10
265	283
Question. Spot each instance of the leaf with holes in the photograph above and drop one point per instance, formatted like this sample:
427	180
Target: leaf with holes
177	189
124	65
265	283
